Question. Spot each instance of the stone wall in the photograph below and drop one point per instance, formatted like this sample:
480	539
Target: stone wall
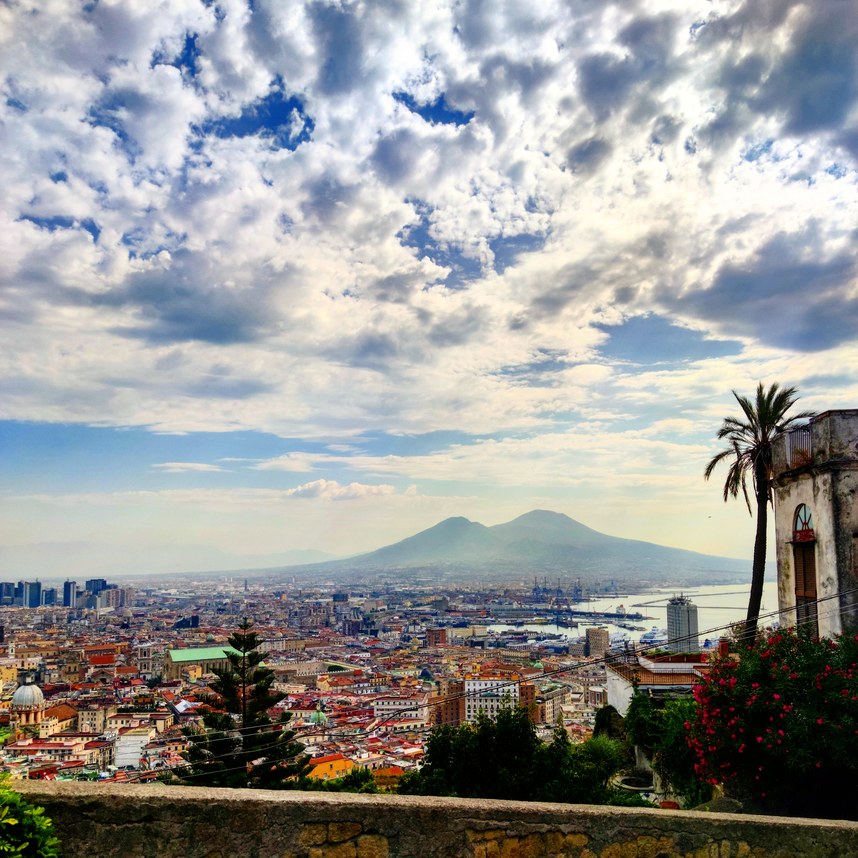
188	822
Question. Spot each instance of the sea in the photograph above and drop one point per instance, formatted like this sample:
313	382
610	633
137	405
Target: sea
718	606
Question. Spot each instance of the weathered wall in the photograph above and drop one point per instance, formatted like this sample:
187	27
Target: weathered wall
187	822
829	486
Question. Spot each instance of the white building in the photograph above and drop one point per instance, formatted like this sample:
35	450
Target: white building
490	694
815	480
404	706
682	625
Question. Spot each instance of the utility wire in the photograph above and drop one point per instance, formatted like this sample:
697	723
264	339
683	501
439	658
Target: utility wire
609	659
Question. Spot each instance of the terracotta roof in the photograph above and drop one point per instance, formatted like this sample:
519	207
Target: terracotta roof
62	712
330	758
643	676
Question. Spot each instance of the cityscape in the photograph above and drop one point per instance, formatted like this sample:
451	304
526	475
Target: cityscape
408	411
105	682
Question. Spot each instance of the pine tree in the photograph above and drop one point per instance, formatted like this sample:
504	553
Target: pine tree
240	746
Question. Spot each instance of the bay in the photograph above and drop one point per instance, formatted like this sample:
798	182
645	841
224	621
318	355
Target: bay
718	606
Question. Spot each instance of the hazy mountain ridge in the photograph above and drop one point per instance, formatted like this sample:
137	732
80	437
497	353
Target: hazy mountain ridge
538	541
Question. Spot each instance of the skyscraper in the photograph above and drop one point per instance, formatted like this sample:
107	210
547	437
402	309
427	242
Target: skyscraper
682	625
69	594
32	594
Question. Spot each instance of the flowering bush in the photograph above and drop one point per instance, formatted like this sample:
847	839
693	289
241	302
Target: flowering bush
779	727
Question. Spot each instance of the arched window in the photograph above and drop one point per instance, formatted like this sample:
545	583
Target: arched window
804	564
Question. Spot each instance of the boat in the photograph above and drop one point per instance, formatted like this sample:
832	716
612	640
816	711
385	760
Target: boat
654	637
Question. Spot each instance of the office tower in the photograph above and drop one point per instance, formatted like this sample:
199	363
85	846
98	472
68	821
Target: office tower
69	594
96	585
32	594
682	625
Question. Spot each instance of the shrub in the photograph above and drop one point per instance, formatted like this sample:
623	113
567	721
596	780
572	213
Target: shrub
661	733
24	828
779	727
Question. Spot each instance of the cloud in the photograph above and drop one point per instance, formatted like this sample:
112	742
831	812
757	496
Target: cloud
521	224
330	490
187	467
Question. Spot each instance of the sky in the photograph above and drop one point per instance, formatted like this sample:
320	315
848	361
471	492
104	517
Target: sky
282	276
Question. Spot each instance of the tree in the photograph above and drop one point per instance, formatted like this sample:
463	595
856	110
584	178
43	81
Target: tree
749	452
779	727
659	728
505	759
241	746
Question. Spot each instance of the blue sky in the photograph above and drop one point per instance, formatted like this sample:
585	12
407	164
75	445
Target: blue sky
318	275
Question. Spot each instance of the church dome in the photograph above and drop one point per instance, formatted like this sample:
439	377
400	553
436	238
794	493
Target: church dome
28	697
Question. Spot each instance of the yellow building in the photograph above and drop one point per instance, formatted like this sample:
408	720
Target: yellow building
330	767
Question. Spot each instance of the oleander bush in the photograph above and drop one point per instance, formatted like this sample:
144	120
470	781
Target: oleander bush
779	726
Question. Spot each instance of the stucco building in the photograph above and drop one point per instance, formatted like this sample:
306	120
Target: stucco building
816	522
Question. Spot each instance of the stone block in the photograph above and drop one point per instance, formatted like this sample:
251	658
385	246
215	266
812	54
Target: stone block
313	834
338	850
372	846
339	831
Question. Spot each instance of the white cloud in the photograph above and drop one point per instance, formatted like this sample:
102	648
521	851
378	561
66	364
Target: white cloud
186	467
398	276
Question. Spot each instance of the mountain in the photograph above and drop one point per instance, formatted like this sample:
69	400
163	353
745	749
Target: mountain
538	542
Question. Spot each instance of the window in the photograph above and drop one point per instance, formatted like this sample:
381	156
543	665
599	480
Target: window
804	564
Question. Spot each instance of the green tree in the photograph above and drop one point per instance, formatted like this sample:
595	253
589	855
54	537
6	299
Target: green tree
505	759
749	453
240	746
660	729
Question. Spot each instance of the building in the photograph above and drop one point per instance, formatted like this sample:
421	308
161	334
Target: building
95	585
207	659
388	707
32	594
490	694
682	632
69	594
815	481
598	641
436	637
656	676
28	706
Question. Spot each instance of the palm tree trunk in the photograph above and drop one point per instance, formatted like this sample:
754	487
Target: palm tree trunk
758	572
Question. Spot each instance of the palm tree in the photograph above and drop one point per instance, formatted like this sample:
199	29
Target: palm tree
749	451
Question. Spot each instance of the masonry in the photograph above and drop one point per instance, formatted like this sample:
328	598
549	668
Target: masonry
153	820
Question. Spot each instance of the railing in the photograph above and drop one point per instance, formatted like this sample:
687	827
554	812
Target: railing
799	447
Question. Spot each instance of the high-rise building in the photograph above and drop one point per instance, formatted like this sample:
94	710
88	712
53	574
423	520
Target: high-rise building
682	625
69	594
96	585
598	641
32	594
49	596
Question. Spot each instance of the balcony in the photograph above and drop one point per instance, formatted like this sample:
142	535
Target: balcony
829	440
169	822
799	447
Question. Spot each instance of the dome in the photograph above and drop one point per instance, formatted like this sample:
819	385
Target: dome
28	697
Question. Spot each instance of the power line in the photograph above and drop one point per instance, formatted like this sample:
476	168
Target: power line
566	669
